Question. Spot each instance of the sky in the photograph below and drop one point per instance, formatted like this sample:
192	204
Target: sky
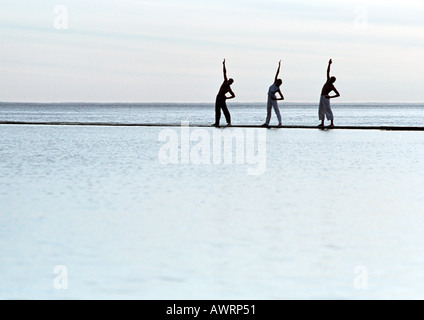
172	51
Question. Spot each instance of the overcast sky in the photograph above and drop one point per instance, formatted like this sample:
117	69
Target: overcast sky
172	51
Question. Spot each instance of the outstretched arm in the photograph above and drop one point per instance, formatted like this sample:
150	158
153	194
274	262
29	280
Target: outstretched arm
328	69
224	70
278	71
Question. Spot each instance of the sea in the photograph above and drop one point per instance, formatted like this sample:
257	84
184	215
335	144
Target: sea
181	211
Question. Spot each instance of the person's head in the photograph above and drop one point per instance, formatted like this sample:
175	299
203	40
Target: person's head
279	82
230	81
333	79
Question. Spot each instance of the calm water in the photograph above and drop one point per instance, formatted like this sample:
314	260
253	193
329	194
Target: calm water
336	214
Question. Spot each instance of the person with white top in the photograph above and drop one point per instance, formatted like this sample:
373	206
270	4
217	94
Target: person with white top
273	100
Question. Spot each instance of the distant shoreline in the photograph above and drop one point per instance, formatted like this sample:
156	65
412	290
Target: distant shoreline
211	103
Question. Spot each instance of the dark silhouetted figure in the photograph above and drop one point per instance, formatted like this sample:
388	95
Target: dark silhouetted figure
221	99
272	99
324	103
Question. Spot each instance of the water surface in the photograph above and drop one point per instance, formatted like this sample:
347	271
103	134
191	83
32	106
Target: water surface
98	201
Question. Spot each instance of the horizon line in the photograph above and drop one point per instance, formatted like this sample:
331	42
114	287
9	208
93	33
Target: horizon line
194	102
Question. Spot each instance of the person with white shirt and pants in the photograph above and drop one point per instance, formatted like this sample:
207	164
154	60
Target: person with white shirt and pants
273	100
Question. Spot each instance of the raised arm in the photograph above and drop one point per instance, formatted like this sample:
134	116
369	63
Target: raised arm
328	69
224	70
278	71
